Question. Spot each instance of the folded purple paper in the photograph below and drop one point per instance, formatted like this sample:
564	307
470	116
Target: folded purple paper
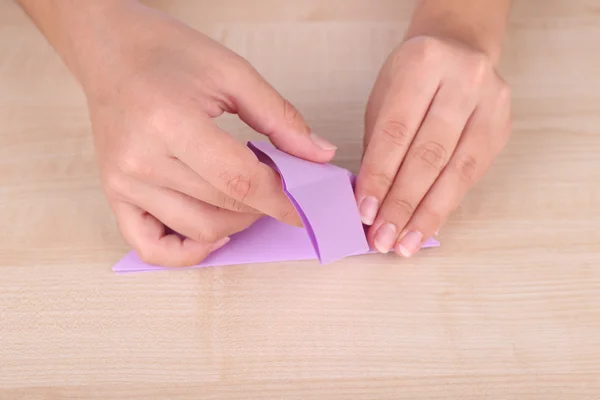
323	197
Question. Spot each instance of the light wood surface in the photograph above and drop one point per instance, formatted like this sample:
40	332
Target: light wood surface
507	308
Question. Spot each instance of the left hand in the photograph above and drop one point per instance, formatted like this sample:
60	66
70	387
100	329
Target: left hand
437	117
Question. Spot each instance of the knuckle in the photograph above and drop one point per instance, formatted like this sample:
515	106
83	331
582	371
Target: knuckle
133	165
231	75
229	203
236	206
161	117
290	113
238	185
479	69
402	206
429	48
433	154
292	118
397	132
206	234
238	63
430	216
379	180
466	168
424	49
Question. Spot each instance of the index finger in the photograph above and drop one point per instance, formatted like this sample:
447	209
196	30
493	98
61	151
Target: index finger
402	109
233	169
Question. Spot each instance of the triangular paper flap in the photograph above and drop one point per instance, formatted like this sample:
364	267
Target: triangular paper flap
267	240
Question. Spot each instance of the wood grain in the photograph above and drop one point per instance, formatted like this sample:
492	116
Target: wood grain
507	308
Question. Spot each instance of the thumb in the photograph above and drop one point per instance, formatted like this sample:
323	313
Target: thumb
260	106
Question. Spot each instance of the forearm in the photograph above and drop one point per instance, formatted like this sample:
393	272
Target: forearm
478	23
86	34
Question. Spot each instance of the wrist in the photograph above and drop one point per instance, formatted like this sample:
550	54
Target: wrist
105	51
479	25
491	50
98	40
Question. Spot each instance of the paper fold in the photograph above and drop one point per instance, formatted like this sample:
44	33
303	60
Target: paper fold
323	197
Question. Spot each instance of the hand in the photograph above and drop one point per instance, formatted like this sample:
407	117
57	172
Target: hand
165	164
437	117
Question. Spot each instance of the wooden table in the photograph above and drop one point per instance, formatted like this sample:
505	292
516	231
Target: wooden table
507	308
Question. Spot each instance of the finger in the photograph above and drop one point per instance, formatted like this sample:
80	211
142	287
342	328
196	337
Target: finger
428	154
484	137
261	107
232	168
404	107
173	174
153	244
187	216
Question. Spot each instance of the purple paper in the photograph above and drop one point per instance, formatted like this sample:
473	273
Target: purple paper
324	198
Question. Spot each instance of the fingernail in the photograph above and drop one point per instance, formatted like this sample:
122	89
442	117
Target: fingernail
410	243
437	233
322	143
368	210
385	238
219	243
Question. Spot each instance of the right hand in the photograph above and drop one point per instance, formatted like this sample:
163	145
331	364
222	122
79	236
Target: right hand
166	166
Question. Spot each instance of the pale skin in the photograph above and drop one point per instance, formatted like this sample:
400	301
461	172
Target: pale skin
437	116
